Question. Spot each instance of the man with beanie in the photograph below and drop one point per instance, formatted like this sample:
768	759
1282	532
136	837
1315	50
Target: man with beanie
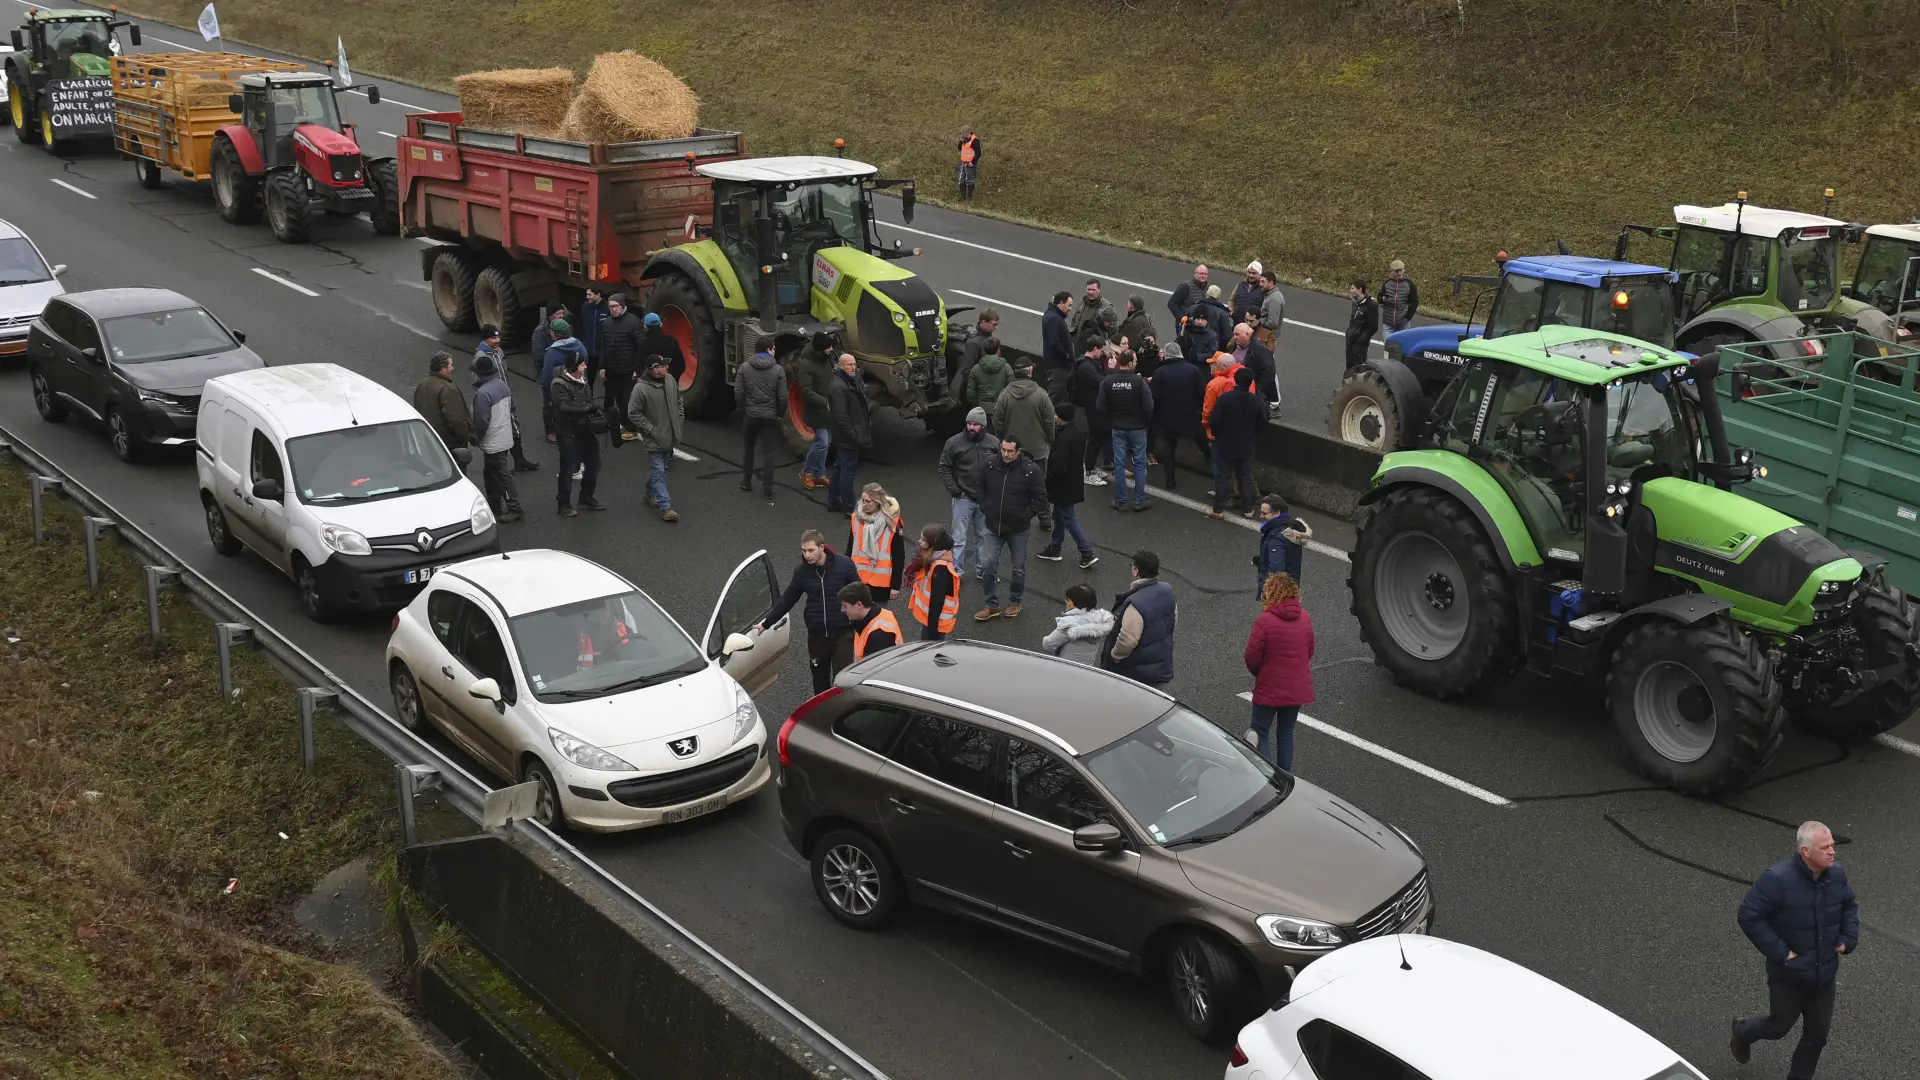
1399	298
561	348
761	385
1056	342
1248	294
1140	646
655	341
814	375
963	470
822	573
1127	403
1215	313
493	432
490	348
543	335
661	420
1238	416
620	353
1066	490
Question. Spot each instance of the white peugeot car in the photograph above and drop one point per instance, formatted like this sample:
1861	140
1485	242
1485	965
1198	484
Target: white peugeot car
1420	1008
26	284
551	669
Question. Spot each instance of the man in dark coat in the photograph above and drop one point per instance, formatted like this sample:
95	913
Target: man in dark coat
822	573
1214	311
761	385
440	403
814	375
1803	918
1056	342
1179	390
1136	331
1187	294
973	344
590	331
1016	493
1238	416
1399	299
1258	359
1248	294
1362	322
1066	490
655	341
1083	391
852	432
620	353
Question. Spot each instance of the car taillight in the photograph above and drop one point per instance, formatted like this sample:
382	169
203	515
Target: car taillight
1238	1059
806	707
396	622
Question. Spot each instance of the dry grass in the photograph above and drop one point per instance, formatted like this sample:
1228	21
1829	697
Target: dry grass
129	797
629	98
1324	136
530	101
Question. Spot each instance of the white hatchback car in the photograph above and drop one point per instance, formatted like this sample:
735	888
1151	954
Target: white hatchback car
552	669
26	284
1422	1008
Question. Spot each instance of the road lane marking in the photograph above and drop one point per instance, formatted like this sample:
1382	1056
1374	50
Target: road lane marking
82	192
991	300
421	285
271	276
1399	759
683	455
1895	743
385	100
388	134
1328	550
177	45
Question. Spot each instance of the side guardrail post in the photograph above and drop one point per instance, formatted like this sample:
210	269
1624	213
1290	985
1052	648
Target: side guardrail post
312	700
412	780
225	636
96	527
39	486
158	577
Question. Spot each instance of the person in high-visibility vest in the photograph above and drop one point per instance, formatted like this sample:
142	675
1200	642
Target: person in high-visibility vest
969	164
933	583
874	627
874	542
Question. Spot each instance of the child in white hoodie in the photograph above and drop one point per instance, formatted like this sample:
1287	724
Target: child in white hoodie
1078	634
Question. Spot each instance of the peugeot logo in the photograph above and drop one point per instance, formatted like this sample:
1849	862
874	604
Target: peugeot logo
423	540
686	747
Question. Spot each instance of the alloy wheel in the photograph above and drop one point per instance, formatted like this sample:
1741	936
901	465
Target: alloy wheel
42	395
117	432
851	879
1191	990
406	698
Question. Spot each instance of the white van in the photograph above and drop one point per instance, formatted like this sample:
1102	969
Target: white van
334	479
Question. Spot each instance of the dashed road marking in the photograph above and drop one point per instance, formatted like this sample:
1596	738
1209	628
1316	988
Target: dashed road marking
991	300
683	455
82	192
295	286
388	134
1400	759
1328	550
1895	743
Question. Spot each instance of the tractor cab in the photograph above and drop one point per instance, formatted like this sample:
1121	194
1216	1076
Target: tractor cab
273	105
1888	276
71	44
1624	298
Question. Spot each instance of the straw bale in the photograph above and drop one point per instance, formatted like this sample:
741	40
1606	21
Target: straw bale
531	101
630	98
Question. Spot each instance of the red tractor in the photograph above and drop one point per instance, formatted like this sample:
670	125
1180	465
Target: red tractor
291	155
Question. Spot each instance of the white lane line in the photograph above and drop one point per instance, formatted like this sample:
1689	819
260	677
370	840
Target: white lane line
1328	550
270	276
1399	759
385	100
421	285
388	134
1895	743
991	300
177	45
427	240
82	192
683	455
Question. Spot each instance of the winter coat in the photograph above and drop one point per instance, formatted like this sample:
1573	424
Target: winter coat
1101	314
492	414
852	412
1280	655
1259	360
1219	384
620	344
441	404
1283	540
1083	389
1399	302
1078	634
657	342
554	361
815	377
1236	420
1066	468
1790	910
1199	341
1013	495
988	376
589	329
1125	399
963	463
1246	297
572	406
1179	389
888	514
973	345
1273	312
762	387
1217	317
1137	328
1363	321
541	340
821	586
657	413
1024	413
1185	295
1056	340
1140	645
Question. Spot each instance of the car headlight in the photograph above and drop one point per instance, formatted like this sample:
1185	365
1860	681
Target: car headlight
482	518
1287	932
157	397
585	754
745	715
344	540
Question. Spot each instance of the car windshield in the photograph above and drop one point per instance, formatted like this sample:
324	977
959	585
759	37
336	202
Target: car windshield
602	646
1186	781
164	335
372	461
1647	313
1644	427
20	264
1809	272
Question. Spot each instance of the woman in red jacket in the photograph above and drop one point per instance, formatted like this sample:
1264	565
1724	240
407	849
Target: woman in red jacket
1280	655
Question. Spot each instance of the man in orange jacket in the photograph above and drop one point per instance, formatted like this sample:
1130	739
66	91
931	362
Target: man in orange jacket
1224	365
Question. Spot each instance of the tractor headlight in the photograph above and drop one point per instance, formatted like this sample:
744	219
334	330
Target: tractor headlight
900	317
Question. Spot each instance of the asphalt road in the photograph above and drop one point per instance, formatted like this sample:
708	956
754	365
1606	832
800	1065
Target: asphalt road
1544	847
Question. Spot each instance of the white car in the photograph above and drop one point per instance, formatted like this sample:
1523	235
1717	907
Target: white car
1421	1008
551	669
26	283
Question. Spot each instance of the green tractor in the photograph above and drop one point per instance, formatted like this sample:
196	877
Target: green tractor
791	252
1559	517
59	76
1888	278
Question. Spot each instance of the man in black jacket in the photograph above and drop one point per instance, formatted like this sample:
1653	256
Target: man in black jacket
620	343
963	469
822	573
1179	392
1056	342
1187	294
655	341
573	427
1238	416
1362	322
852	432
761	385
1127	403
1803	918
1083	391
1066	490
1016	493
1258	359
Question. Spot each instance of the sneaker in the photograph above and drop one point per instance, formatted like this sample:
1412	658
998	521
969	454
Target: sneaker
1742	1050
1012	612
592	504
669	515
1142	507
511	516
1088	562
1252	515
580	473
568	511
1095	480
1153	459
1051	554
986	613
747	487
1122	507
629	436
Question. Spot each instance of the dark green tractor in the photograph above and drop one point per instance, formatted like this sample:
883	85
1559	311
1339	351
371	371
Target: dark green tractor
59	76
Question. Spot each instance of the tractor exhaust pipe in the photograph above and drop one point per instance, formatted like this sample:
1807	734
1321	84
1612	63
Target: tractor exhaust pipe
1706	371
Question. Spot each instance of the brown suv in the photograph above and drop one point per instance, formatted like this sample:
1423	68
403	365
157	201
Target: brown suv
1088	811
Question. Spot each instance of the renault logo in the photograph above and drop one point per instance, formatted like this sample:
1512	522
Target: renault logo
686	747
423	540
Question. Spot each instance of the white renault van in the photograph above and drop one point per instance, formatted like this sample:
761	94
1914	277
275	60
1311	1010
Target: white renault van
334	479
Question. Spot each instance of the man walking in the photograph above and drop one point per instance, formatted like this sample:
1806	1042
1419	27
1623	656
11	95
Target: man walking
761	384
1238	416
1185	295
1248	294
1056	343
493	430
620	345
1014	494
440	403
1283	542
815	378
1066	490
822	573
852	432
661	420
1179	390
1140	645
963	469
871	626
1803	918
1093	314
1362	321
1024	413
1399	298
573	411
1127	402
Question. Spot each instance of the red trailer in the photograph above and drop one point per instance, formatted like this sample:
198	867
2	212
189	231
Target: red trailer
526	222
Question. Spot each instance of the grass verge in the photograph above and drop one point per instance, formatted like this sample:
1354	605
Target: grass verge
130	796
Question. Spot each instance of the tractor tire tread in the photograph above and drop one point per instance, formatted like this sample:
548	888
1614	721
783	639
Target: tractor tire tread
297	209
710	397
1885	622
510	316
1738	667
1372	384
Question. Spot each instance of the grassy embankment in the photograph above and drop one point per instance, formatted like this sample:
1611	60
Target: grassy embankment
129	798
1325	136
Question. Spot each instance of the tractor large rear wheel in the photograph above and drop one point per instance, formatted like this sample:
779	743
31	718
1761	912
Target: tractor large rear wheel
384	178
685	318
235	191
24	127
496	301
1697	707
289	209
1885	625
1432	598
1365	412
452	280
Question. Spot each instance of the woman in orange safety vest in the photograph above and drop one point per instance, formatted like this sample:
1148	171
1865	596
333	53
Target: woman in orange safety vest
874	542
934	584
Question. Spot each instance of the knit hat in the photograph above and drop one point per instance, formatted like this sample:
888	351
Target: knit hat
1254	267
1213	292
560	327
617	298
488	330
652	319
977	415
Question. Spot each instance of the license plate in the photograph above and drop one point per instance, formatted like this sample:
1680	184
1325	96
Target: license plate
1421	926
693	811
415	577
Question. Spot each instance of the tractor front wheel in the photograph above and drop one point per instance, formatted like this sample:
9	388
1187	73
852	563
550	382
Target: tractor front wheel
685	318
289	208
1697	707
1884	622
384	177
235	191
1364	412
1433	600
49	140
452	281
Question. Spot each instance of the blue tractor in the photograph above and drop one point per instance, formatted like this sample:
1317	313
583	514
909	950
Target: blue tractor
1382	404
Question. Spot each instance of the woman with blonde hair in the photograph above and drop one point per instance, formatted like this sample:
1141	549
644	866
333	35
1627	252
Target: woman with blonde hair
874	542
1280	656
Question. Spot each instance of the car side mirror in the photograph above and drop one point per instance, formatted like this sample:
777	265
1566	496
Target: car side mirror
907	199
736	643
1100	836
59	268
91	353
236	103
268	490
240	336
373	95
133	34
463	456
485	690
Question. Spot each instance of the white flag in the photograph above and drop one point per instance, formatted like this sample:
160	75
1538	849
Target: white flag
209	24
346	75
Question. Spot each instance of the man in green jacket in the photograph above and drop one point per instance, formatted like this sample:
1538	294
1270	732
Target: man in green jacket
988	376
661	420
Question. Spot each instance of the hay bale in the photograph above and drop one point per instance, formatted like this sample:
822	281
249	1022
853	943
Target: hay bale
530	101
629	98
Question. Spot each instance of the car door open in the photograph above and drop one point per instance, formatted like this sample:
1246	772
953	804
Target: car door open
750	591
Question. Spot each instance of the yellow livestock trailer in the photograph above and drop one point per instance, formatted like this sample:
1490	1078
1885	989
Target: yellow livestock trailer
167	107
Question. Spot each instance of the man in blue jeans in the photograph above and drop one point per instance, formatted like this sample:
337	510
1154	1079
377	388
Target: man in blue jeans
1066	489
963	469
661	420
1013	495
1127	401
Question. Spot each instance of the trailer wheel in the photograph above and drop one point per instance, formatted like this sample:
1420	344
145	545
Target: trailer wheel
384	178
147	173
1885	625
453	290
235	191
1695	705
496	301
684	316
1365	412
289	209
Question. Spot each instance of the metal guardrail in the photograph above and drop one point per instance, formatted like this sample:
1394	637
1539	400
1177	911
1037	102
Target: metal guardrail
457	786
